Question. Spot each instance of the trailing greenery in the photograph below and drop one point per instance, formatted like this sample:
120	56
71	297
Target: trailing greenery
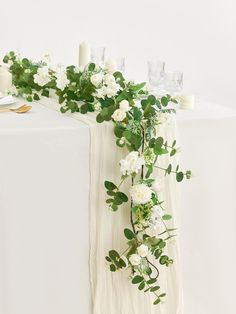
136	116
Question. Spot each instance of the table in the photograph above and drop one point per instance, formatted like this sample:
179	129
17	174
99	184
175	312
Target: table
44	191
208	208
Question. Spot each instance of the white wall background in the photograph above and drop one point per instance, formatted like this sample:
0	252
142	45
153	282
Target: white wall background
195	36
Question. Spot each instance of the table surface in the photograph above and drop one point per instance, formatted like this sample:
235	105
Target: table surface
47	152
41	117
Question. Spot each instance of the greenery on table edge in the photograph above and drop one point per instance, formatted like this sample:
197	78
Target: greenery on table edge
136	116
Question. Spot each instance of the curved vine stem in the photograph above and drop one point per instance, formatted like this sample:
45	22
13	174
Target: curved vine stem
156	269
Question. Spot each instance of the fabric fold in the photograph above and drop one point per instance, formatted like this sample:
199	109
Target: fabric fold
112	293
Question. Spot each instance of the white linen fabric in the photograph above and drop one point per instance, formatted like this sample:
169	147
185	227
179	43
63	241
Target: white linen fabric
52	170
44	217
112	293
208	208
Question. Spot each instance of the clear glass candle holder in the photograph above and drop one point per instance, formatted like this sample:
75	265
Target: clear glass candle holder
98	55
156	70
173	82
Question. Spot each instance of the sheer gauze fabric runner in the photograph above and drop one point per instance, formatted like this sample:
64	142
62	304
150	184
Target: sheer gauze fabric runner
112	293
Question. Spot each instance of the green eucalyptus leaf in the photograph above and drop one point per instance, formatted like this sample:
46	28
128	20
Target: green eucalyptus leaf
112	268
163	259
110	186
179	176
129	234
142	285
137	279
166	217
114	255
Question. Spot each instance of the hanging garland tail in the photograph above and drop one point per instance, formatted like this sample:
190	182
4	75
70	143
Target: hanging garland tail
136	115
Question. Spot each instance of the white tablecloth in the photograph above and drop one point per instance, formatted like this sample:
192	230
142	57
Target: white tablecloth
208	209
44	191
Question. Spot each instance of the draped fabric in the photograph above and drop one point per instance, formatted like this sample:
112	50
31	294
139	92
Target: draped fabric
113	293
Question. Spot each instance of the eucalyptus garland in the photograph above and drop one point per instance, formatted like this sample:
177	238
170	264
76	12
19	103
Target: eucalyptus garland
136	115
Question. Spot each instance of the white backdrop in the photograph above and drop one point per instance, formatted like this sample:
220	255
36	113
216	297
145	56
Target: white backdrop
197	37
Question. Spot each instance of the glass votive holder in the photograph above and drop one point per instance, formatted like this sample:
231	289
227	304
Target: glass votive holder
98	55
156	70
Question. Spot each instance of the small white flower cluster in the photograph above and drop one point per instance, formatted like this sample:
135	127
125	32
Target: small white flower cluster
42	77
135	259
106	85
61	77
97	106
131	164
157	214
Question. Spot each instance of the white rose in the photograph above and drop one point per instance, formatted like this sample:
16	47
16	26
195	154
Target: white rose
42	76
96	79
140	194
124	105
143	250
131	164
109	79
61	78
111	90
135	259
119	115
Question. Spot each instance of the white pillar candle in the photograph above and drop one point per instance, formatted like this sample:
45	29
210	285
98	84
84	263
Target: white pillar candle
5	80
186	101
84	54
111	65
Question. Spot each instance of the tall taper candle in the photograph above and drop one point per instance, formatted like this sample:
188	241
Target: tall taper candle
84	54
5	80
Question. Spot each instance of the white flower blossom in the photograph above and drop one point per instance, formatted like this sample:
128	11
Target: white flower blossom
124	105
111	90
131	164
119	115
157	214
140	194
61	78
143	250
96	79
42	76
109	79
100	93
135	259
